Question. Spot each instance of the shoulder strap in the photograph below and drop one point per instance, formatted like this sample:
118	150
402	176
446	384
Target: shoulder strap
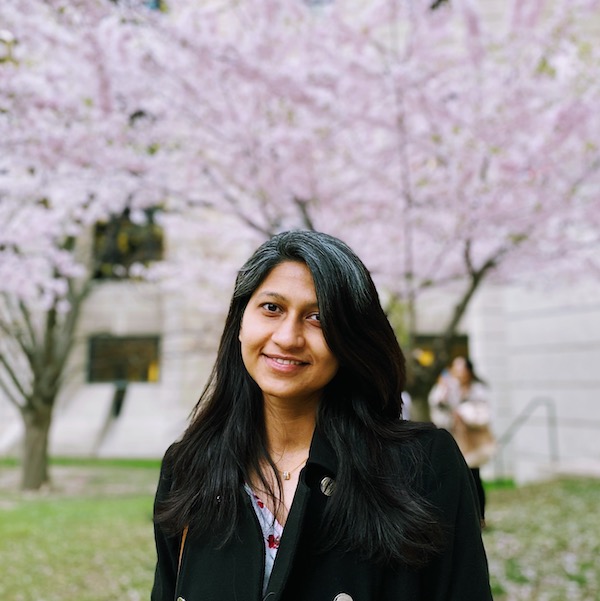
183	537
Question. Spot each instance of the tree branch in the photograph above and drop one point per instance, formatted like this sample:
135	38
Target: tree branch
235	205
303	208
67	331
28	349
15	380
12	399
443	343
19	335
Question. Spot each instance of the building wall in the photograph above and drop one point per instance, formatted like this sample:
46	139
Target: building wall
540	351
531	346
154	413
527	344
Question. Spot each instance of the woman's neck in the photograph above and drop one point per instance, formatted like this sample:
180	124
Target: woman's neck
289	429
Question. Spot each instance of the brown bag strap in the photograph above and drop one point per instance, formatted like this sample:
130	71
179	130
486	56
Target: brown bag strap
183	537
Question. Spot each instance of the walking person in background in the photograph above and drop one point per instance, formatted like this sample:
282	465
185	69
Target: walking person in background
459	402
296	479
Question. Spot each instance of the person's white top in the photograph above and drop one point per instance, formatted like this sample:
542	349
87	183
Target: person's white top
272	531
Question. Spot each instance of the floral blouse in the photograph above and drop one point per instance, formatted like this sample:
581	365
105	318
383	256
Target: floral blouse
272	531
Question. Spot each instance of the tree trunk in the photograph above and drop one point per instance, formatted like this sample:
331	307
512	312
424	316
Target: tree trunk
35	448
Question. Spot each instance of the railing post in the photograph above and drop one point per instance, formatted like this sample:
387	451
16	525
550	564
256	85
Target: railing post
517	423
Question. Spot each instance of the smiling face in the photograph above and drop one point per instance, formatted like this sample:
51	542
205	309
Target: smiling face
282	343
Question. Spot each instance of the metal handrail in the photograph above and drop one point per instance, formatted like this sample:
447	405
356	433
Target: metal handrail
520	420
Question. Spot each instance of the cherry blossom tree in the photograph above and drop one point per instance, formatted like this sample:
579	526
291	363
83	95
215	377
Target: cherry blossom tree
449	147
73	152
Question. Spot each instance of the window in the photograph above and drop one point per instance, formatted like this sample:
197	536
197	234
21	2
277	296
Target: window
425	348
121	243
155	4
123	359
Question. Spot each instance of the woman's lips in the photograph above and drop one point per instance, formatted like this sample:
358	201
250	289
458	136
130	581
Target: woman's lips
285	364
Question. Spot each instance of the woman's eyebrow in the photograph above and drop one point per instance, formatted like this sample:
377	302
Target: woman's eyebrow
281	297
276	295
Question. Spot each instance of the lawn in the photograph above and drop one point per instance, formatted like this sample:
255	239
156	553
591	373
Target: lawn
543	541
88	540
90	537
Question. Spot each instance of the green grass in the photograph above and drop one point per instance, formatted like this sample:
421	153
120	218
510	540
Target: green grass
500	484
84	549
90	462
543	541
89	538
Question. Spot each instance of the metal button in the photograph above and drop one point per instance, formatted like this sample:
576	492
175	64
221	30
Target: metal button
343	597
327	488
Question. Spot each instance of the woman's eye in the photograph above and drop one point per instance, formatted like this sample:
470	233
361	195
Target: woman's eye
315	317
270	307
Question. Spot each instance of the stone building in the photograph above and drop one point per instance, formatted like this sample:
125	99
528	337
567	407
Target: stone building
538	350
143	353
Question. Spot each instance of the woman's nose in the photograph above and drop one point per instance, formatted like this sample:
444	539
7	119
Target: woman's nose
289	333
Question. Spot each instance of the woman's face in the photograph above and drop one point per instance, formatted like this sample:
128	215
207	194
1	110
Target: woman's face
460	370
282	343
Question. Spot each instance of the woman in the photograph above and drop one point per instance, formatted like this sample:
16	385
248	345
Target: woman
296	479
459	402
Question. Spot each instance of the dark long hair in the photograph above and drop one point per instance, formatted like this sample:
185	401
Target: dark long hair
376	507
471	369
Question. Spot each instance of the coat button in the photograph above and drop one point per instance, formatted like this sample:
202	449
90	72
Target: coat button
327	488
343	597
180	599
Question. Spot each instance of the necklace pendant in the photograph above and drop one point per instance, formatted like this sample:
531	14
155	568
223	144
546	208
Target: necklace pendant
286	475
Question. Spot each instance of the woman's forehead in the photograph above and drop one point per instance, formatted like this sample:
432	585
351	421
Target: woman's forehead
288	280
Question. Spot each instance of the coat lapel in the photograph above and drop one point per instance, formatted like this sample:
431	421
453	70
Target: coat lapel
321	464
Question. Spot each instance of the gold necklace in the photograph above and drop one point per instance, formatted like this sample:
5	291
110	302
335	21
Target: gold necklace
287	474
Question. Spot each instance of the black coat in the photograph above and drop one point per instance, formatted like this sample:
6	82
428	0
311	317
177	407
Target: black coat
235	572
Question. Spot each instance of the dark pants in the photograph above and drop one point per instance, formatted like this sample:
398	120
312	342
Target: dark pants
480	491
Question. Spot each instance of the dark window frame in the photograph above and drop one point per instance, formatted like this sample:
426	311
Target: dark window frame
124	369
120	243
458	347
